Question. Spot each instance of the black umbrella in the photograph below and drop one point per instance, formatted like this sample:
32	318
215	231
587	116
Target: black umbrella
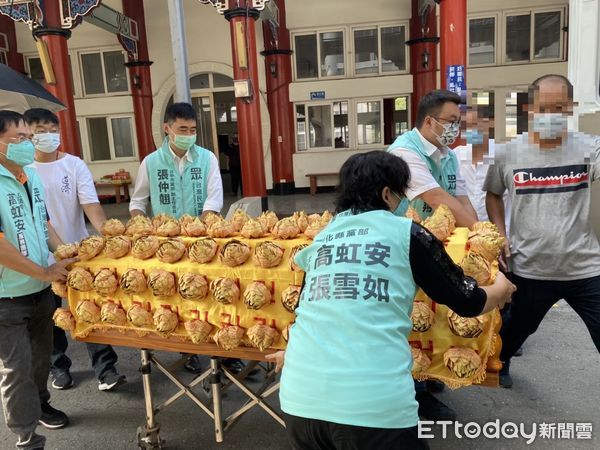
20	93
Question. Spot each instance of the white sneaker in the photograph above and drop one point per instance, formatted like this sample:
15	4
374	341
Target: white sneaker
110	381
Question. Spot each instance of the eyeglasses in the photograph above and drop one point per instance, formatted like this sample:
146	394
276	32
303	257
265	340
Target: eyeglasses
15	140
454	122
397	195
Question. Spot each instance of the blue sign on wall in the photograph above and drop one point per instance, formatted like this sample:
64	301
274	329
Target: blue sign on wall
455	79
319	95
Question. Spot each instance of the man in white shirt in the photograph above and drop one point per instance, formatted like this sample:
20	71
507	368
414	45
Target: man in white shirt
435	173
476	156
70	192
435	179
180	178
187	165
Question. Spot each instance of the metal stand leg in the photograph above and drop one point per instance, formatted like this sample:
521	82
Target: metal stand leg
148	434
215	383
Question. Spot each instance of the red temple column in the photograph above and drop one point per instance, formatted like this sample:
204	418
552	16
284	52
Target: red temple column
245	67
453	39
278	67
140	80
423	54
56	40
14	58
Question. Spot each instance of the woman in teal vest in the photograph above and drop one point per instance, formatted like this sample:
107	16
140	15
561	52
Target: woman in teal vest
347	379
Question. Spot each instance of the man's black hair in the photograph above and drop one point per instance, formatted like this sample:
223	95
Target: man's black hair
181	110
535	85
363	177
432	103
8	118
41	116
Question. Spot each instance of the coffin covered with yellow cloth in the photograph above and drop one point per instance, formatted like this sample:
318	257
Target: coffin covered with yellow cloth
448	347
241	290
230	290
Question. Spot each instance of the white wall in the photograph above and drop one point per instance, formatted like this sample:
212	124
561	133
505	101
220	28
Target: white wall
209	50
319	13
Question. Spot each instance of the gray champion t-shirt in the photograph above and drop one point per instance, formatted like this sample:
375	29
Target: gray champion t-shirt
551	234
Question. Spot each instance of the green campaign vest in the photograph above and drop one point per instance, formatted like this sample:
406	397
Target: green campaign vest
444	175
25	225
348	359
174	194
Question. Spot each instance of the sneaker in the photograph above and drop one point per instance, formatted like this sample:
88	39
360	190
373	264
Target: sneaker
504	378
234	365
519	352
431	408
110	381
61	379
434	386
193	364
52	418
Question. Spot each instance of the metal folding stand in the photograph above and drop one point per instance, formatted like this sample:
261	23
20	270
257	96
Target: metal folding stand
148	434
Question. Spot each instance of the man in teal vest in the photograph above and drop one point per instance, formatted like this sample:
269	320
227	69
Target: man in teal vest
435	179
179	178
26	301
435	169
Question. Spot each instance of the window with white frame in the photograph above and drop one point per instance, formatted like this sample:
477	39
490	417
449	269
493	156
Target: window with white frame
482	41
110	138
104	72
533	36
379	50
369	122
322	126
319	54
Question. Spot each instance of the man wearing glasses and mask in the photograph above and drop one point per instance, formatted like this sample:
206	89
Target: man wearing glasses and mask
435	169
435	179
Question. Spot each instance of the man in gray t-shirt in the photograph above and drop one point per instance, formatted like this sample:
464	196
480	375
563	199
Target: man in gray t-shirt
553	251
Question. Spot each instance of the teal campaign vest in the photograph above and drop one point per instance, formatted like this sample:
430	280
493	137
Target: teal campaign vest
445	174
348	359
25	225
174	194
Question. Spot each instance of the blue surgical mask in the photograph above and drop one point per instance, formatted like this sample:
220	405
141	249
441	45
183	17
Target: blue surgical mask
549	125
184	142
473	136
21	154
402	207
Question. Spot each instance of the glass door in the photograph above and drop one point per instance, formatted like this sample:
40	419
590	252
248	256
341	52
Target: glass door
206	122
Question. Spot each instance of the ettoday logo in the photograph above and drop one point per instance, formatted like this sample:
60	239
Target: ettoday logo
508	430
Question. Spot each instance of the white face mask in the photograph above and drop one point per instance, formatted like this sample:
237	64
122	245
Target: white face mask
46	142
450	133
549	125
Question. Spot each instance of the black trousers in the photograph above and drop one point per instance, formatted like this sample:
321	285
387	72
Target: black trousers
311	434
534	298
236	179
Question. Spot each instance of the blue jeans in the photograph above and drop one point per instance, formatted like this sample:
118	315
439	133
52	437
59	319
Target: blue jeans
103	356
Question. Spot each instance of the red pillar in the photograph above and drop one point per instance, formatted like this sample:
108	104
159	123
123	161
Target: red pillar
423	54
242	20
278	67
140	80
14	58
56	40
453	37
